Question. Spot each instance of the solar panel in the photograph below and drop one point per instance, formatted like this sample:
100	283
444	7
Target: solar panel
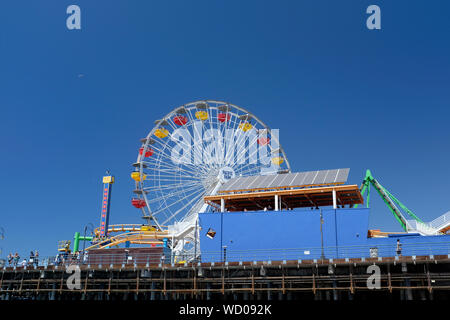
342	175
286	180
264	181
320	177
298	179
276	182
309	177
242	183
331	175
229	184
258	182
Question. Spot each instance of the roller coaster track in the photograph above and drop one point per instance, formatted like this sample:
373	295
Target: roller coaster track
125	228
135	237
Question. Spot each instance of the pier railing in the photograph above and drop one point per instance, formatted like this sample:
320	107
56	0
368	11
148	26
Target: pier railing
229	255
441	221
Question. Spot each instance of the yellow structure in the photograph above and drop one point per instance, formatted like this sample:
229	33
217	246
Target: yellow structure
132	233
108	179
136	176
277	160
201	115
64	246
245	126
161	133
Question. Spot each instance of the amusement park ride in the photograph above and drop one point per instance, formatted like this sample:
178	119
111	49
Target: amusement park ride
438	226
185	160
179	162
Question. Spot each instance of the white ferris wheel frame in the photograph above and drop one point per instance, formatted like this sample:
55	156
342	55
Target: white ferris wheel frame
195	203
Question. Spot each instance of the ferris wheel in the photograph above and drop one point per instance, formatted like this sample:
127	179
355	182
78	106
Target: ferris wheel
192	151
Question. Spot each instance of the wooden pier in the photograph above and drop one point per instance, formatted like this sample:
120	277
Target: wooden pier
401	278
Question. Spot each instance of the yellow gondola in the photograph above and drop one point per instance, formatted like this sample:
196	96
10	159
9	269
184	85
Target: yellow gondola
245	126
277	160
201	115
136	176
161	133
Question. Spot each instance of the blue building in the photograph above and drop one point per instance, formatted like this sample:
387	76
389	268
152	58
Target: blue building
305	234
308	215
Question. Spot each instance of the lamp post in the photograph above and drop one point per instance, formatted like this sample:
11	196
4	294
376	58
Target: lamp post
91	227
322	256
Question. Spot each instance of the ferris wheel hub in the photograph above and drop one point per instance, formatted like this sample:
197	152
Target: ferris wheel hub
226	173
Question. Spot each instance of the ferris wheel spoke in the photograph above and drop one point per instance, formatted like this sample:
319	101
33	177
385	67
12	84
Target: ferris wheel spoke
169	182
183	142
184	126
236	132
191	121
170	202
165	196
207	163
171	186
173	171
162	150
215	139
166	172
245	165
169	165
173	203
197	154
169	158
250	171
240	147
196	198
230	126
175	180
172	175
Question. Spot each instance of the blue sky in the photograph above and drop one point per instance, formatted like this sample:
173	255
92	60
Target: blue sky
341	95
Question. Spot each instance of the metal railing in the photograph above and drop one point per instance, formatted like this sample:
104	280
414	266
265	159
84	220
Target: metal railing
441	221
366	251
421	227
362	251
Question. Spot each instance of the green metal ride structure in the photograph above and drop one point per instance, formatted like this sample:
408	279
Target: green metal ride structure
415	224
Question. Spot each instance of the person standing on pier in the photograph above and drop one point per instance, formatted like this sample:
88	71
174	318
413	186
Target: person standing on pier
36	258
16	259
31	257
399	248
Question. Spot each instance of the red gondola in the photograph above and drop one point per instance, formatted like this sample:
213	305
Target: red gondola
180	120
222	117
263	141
138	203
148	153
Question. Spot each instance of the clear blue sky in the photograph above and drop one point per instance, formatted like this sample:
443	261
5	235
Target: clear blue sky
341	95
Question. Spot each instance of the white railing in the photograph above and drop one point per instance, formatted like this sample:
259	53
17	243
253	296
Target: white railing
422	228
441	221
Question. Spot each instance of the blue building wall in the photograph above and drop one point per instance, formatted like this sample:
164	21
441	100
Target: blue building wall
412	245
296	234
